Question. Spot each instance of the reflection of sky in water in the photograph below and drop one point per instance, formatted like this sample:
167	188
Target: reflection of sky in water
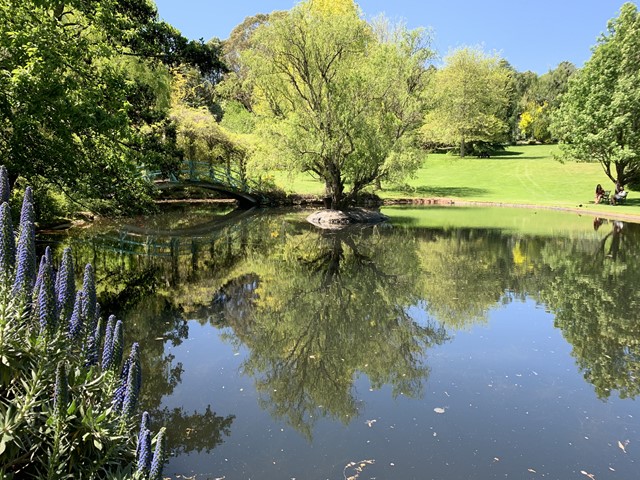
513	402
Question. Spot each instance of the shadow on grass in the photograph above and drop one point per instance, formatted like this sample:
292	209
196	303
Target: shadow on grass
448	191
631	202
505	153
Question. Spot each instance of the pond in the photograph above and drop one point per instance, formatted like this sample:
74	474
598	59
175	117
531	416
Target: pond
458	343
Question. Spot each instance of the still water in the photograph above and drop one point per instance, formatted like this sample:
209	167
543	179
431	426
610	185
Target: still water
454	344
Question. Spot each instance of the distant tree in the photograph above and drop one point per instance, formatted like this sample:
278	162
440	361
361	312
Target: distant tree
521	82
553	84
598	120
470	95
534	122
338	97
235	86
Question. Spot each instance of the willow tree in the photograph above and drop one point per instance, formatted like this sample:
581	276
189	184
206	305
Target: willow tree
598	117
469	97
337	97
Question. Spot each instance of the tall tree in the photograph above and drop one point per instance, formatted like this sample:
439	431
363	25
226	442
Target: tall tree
599	118
338	97
469	96
80	85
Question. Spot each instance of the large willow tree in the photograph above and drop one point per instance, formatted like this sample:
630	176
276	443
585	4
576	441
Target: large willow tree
337	97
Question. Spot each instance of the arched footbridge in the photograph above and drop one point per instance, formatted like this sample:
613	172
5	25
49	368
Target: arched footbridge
209	177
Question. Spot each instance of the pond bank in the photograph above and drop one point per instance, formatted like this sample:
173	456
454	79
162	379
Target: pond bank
580	209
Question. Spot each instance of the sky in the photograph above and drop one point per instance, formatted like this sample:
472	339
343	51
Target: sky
532	35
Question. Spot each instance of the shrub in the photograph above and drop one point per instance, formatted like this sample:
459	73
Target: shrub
65	412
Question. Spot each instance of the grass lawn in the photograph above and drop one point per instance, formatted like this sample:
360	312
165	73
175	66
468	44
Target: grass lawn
527	174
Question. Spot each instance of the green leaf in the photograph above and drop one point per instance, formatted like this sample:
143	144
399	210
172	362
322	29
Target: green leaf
72	408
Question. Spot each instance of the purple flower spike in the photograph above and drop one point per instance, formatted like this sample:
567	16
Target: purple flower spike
134	381
159	456
107	351
90	297
66	287
5	188
144	451
118	395
118	345
76	324
26	263
27	213
93	344
7	241
47	301
144	425
46	258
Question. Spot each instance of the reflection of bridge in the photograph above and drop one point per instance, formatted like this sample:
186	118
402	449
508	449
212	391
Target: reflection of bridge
210	177
140	241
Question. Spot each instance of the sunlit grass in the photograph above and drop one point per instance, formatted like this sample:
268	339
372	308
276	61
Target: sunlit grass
526	174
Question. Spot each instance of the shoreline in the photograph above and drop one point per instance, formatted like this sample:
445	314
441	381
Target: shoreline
450	202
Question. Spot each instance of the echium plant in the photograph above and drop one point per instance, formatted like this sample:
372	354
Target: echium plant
5	189
57	415
7	243
65	286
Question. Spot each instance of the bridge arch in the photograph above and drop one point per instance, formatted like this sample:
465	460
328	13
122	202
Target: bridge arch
208	176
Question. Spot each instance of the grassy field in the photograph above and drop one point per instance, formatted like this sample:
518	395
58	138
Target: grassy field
527	174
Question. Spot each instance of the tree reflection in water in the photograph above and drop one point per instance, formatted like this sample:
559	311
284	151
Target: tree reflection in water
325	309
317	311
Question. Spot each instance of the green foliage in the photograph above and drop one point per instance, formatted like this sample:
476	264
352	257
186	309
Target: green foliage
534	122
58	412
79	84
469	96
337	97
598	117
200	137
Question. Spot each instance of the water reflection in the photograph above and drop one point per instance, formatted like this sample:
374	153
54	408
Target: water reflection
323	309
316	311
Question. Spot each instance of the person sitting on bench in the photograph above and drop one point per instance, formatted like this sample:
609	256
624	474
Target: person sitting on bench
600	193
620	195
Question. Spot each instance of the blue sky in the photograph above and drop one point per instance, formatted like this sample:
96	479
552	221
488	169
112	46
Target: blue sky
531	34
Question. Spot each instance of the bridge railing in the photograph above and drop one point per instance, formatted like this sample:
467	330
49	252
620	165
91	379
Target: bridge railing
194	171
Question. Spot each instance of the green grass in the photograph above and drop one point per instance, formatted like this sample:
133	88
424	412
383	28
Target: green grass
527	174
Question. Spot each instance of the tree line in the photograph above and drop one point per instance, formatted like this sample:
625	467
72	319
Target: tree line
93	93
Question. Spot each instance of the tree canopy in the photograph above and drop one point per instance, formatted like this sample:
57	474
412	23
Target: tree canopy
337	97
83	90
598	117
469	96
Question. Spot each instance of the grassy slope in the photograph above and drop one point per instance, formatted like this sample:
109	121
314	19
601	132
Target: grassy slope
523	175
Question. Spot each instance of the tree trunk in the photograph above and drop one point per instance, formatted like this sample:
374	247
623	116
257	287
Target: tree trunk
335	192
462	145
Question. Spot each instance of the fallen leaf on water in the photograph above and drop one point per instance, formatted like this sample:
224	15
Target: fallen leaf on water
496	459
590	475
438	410
356	467
531	470
622	446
